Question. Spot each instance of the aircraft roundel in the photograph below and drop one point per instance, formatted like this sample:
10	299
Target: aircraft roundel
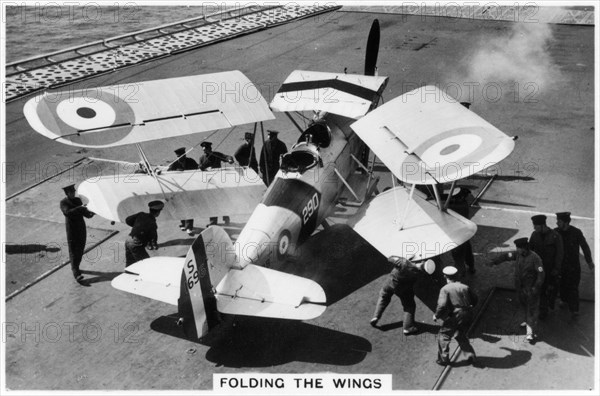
91	120
449	152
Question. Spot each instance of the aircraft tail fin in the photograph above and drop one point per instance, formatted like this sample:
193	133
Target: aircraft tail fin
209	259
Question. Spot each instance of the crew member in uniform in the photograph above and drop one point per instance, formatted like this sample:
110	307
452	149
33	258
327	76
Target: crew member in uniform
213	159
184	163
143	233
270	154
401	282
572	239
74	211
548	244
455	309
529	278
462	254
245	155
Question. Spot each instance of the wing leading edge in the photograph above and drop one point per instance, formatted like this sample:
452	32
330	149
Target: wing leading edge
225	191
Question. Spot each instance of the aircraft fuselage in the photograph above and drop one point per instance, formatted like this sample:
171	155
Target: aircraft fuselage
302	195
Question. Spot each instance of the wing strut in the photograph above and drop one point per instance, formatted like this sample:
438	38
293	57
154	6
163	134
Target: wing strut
151	171
449	195
410	198
347	185
262	133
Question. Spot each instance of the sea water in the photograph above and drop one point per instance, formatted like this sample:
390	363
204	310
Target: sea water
41	28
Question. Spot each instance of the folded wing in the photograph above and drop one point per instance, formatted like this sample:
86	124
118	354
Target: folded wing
414	228
225	191
143	111
427	137
348	95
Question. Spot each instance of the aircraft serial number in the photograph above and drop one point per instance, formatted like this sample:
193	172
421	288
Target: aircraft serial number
311	206
193	275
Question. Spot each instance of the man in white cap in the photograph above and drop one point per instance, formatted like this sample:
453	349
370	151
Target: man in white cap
401	282
455	308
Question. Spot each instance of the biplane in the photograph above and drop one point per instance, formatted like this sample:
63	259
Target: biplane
424	137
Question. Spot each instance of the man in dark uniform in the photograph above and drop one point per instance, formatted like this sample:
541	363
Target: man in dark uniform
270	154
74	211
548	244
401	282
245	155
143	233
462	254
529	278
573	239
213	159
184	163
455	308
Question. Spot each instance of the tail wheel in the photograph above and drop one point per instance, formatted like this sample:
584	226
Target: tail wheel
283	244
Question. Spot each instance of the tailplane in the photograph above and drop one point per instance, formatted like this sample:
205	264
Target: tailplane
209	259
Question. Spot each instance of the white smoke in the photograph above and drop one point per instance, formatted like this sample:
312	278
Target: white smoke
520	60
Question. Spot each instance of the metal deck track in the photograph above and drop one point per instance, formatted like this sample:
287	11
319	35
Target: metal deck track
77	63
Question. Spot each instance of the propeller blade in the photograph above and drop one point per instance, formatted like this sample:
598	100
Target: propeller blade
372	49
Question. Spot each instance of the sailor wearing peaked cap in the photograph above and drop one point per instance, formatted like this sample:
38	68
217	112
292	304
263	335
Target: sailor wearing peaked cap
573	240
245	154
538	219
529	278
401	282
270	155
144	232
74	211
521	243
563	216
183	163
156	205
70	187
548	244
212	160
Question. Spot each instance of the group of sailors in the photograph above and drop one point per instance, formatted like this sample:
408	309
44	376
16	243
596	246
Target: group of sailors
245	156
143	225
546	266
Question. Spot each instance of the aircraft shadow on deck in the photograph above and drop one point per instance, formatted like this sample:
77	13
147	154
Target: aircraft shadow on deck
241	341
339	260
